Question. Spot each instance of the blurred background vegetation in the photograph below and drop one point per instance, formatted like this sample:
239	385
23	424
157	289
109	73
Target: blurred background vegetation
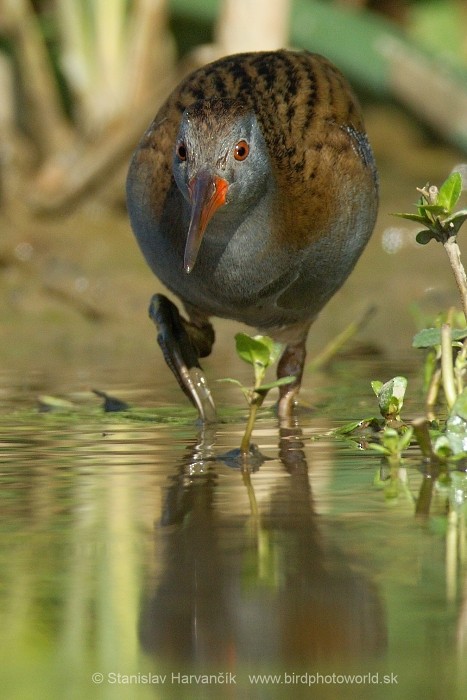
81	79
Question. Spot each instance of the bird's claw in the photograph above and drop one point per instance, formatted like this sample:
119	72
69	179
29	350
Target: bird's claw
181	356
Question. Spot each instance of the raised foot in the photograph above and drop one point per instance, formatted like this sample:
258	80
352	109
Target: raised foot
181	355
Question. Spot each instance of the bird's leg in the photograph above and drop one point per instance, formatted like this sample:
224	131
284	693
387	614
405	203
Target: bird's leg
291	365
182	343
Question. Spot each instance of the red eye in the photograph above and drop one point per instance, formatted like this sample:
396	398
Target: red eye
241	150
181	151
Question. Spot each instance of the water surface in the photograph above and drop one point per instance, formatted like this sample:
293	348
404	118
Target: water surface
132	547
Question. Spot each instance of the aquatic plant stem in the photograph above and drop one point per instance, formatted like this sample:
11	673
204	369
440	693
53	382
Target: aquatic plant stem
447	368
432	393
255	403
453	252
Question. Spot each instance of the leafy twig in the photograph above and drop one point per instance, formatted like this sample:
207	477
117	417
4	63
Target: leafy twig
442	223
261	352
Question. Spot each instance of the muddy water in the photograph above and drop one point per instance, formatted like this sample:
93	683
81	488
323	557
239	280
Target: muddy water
137	560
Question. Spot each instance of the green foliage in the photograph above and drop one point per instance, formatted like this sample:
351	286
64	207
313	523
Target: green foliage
252	350
389	435
390	397
435	211
449	193
261	352
446	362
431	337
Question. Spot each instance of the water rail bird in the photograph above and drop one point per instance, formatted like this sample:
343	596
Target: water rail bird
252	195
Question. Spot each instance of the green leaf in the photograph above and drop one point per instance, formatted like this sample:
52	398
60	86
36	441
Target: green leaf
450	191
274	348
376	386
434	209
413	217
424	237
231	381
252	350
461	214
272	385
372	422
394	406
391	396
430	337
455	221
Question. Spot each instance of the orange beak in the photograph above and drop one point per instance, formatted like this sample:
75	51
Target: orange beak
207	193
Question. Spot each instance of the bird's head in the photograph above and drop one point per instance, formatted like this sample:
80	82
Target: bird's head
220	158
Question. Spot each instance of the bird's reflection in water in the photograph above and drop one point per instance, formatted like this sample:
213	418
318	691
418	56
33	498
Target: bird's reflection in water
258	589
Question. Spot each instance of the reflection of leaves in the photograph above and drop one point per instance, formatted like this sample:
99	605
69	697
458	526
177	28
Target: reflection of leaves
392	443
458	490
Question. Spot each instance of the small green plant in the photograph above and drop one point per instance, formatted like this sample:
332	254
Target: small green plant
261	352
390	398
435	211
446	346
446	363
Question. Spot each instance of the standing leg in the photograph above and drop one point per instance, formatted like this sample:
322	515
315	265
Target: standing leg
291	365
